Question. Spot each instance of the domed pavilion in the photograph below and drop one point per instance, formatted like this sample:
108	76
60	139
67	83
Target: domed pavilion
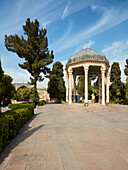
88	62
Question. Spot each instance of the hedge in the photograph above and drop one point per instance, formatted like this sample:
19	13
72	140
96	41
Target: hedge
12	121
122	101
41	103
11	106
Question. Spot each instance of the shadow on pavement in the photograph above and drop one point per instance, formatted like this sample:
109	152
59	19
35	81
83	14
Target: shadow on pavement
24	133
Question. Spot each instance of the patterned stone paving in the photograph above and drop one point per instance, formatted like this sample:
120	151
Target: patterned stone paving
90	108
57	138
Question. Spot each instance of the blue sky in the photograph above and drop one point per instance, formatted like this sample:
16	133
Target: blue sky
71	26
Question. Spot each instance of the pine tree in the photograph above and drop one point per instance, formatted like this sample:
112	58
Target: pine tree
126	68
1	84
115	78
56	85
33	48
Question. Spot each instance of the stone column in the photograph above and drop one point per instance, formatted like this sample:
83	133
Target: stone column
107	86
70	86
99	77
103	85
74	78
86	82
67	93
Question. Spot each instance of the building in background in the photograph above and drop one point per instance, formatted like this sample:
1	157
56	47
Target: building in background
43	95
22	85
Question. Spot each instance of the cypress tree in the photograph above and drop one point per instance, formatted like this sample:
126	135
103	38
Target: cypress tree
1	84
33	48
115	79
126	68
56	85
126	73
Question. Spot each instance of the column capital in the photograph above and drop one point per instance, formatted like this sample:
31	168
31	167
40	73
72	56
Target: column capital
86	68
70	70
103	69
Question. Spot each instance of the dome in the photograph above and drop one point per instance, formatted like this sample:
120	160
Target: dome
87	54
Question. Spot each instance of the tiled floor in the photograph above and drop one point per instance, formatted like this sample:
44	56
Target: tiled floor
62	139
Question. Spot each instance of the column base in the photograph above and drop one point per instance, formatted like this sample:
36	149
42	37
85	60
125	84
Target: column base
69	102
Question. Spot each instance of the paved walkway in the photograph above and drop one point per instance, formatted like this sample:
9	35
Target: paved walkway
56	139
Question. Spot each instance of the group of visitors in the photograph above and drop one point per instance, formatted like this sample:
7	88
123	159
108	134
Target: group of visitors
79	98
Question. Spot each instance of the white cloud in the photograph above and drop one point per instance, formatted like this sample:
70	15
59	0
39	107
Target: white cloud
86	45
117	52
93	7
19	76
77	38
65	13
108	19
22	76
117	49
46	23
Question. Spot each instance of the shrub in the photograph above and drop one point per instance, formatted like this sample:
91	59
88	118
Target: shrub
121	101
11	106
58	101
63	102
12	121
41	103
112	102
125	101
86	104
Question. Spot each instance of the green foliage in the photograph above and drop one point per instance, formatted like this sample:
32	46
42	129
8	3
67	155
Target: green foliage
122	101
33	94
125	101
95	90
22	93
117	87
86	104
6	87
126	88
81	86
63	102
33	48
12	106
115	73
1	84
12	121
56	85
26	94
126	68
41	102
58	101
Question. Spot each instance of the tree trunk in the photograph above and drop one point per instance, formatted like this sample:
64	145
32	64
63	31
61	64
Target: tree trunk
35	85
35	94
